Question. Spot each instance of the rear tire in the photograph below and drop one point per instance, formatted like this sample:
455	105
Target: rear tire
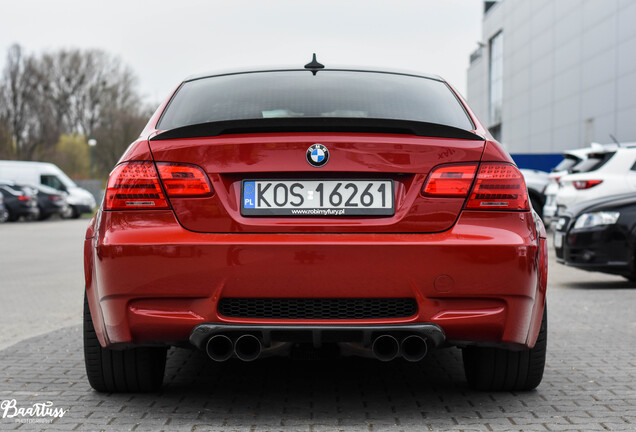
497	369
129	370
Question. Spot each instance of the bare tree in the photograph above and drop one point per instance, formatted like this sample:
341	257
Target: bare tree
120	125
78	81
6	151
88	93
19	91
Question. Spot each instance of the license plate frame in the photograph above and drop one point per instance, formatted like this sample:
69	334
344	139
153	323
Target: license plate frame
317	211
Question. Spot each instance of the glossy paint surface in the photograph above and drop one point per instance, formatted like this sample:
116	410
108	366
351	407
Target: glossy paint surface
230	159
153	275
154	281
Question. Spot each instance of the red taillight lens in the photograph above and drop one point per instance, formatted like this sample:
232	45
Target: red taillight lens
182	180
499	186
134	186
24	198
586	184
450	180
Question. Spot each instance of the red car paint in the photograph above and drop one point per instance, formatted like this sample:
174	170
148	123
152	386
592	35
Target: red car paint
153	275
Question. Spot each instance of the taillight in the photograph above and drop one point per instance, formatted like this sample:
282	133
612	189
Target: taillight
24	198
182	180
450	180
586	184
499	186
134	186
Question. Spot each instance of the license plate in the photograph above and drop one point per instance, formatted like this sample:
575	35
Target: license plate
310	198
558	240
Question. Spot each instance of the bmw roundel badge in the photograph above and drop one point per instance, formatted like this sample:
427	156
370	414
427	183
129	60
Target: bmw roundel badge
317	155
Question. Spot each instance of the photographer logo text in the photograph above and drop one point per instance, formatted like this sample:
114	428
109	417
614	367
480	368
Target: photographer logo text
38	412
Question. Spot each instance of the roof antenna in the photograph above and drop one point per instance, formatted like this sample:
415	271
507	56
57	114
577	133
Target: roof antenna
615	140
314	66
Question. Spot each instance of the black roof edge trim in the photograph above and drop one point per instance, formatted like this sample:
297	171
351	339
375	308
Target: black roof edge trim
292	69
317	124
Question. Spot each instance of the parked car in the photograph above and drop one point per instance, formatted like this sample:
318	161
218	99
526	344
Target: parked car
80	200
602	173
354	208
49	201
536	181
4	214
52	202
20	201
571	159
599	235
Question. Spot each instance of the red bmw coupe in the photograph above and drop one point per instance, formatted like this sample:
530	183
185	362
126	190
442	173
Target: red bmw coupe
265	211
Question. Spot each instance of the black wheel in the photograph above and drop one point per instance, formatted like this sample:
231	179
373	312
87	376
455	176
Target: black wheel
130	370
12	217
71	213
497	369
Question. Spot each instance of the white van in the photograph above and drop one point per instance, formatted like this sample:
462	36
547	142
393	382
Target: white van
80	200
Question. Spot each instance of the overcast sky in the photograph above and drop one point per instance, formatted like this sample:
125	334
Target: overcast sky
164	41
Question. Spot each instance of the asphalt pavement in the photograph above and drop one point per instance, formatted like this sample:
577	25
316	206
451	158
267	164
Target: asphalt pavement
589	382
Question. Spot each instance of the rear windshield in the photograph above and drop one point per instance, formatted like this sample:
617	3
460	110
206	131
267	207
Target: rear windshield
593	162
287	94
566	164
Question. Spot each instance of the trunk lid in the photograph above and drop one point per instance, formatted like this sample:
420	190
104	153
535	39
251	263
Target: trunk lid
230	159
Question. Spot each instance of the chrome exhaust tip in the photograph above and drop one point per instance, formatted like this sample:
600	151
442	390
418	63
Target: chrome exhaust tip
385	347
413	348
247	348
219	348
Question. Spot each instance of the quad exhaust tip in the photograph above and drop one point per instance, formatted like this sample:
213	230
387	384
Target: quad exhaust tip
385	348
413	348
247	348
219	348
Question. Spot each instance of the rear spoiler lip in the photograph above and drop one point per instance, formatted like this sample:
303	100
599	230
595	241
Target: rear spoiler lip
317	124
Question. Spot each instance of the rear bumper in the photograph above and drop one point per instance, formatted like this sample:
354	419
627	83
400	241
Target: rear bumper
51	209
151	281
607	249
24	209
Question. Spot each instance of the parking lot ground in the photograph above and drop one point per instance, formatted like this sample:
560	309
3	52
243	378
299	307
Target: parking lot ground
589	382
41	275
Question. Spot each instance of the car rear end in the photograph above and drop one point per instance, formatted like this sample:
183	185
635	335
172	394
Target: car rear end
598	236
601	174
269	209
20	201
51	201
570	160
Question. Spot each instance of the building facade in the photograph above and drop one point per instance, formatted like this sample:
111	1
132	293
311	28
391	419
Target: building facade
553	75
